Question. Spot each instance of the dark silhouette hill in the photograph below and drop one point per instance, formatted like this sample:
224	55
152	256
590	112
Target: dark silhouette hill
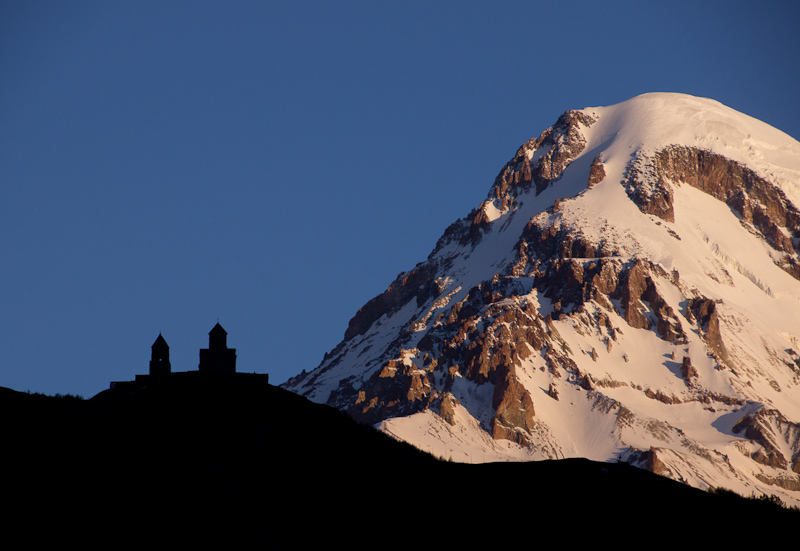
227	459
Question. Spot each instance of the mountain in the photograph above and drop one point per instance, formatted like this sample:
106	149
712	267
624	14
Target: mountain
628	291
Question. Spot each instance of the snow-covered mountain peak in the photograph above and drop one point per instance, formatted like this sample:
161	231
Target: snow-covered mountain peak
659	119
628	290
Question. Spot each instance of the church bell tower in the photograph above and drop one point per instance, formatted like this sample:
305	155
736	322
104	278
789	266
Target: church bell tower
159	359
218	357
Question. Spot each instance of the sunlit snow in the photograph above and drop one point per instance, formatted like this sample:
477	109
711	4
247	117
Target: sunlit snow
716	256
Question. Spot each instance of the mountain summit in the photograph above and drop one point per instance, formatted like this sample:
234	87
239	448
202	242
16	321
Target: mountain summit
629	290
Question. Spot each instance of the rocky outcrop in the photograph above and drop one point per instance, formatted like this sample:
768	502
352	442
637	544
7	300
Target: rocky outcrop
560	144
514	412
563	274
510	334
631	292
564	142
688	371
704	311
447	408
787	482
417	284
759	203
597	172
648	188
756	200
398	388
653	463
730	182
772	431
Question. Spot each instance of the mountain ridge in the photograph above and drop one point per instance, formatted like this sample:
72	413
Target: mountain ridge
228	460
660	232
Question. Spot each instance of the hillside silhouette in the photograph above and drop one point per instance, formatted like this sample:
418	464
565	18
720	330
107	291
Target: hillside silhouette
225	458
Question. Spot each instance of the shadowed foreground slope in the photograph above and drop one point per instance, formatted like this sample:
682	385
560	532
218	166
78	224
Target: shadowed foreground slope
231	459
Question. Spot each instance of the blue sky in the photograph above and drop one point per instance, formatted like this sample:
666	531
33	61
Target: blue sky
276	165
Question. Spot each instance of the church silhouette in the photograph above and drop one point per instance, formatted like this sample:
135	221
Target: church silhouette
217	358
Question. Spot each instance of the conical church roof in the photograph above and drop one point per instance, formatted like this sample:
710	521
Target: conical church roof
160	342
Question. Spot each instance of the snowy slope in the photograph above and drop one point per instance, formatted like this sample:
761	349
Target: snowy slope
627	291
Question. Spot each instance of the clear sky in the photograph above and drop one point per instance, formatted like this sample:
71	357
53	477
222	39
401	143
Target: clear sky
275	165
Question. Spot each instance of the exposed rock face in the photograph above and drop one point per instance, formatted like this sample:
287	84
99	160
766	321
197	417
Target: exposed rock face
647	185
415	284
687	369
772	432
399	388
653	463
563	142
704	310
597	172
758	202
513	405
447	408
761	203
